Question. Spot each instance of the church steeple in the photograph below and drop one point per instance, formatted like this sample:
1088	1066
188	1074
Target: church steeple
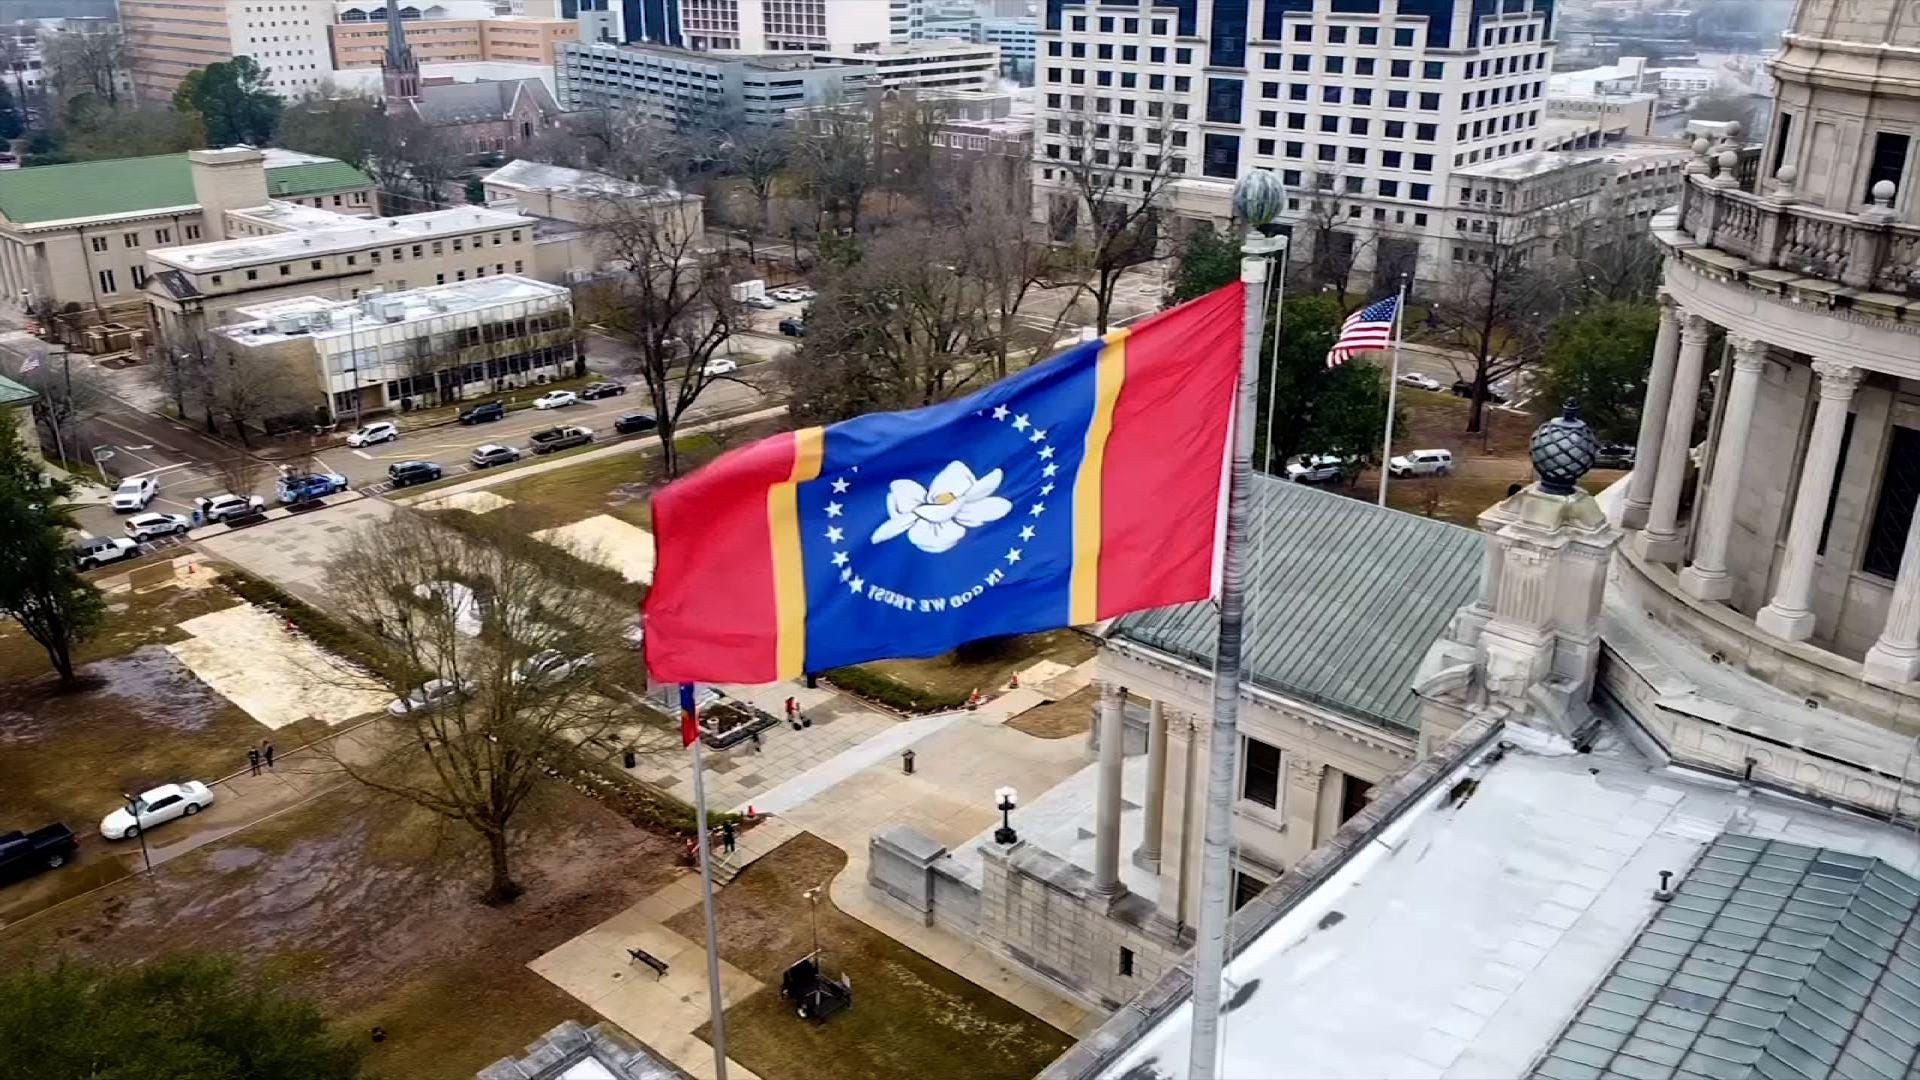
400	72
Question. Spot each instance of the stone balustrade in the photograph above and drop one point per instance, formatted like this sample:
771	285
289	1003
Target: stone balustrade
1869	250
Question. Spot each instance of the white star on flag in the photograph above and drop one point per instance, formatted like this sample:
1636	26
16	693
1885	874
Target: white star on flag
1038	509
1013	555
856	585
839	558
1039	435
840	486
1046	451
833	509
1020	422
834	534
1026	532
1046	489
999	412
1049	470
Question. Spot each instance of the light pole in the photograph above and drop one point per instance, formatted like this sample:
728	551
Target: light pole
813	908
133	812
1006	799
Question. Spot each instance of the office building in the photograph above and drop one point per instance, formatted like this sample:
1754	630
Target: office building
422	346
684	86
1374	104
80	233
166	39
449	34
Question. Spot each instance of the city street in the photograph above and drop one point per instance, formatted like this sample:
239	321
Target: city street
184	460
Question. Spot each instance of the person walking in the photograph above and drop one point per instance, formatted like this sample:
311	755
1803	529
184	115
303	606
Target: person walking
793	714
266	752
253	759
726	837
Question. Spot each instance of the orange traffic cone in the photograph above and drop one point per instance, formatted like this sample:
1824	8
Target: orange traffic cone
1014	683
973	699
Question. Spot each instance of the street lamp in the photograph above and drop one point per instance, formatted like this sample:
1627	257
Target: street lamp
1007	799
813	906
134	813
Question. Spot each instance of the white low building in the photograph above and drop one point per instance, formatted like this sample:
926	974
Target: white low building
420	347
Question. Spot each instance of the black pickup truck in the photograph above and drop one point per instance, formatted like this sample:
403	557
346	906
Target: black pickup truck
559	438
25	854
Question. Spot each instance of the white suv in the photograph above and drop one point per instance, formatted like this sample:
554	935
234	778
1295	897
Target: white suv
383	431
134	494
1422	463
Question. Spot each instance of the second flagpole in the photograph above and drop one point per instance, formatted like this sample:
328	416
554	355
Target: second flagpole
705	854
1393	388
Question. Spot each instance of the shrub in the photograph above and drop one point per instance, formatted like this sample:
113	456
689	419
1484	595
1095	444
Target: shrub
891	692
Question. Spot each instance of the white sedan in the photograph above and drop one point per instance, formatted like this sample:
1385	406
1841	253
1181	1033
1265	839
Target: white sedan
720	365
153	807
134	494
145	527
551	665
556	399
430	696
384	431
1419	381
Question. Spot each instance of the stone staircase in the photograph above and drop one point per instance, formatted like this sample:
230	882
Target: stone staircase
750	845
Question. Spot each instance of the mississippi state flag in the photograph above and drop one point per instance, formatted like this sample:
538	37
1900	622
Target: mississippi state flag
1079	489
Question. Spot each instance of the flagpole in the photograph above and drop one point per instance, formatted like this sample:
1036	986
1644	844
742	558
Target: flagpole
1273	361
1393	388
719	1014
1257	200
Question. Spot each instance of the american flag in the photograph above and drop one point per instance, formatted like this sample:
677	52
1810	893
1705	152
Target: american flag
1369	328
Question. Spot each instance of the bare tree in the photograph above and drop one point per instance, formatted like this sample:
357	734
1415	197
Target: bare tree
1332	249
833	162
333	124
87	61
759	155
411	161
1611	257
241	473
248	393
536	656
995	242
669	304
1116	170
1495	307
68	396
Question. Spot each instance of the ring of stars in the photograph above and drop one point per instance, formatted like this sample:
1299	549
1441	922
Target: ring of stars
1036	437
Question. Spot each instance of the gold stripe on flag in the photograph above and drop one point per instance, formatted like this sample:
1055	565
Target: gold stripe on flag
1110	372
789	569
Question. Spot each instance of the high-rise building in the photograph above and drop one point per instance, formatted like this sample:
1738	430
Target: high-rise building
757	26
1372	105
166	39
462	32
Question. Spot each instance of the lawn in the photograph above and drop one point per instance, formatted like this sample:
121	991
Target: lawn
945	681
910	1016
369	907
140	718
1071	715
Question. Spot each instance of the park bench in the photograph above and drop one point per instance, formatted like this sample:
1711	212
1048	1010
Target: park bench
642	956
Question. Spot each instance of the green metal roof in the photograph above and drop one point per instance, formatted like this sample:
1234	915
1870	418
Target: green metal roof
12	393
1344	599
319	178
91	189
1772	960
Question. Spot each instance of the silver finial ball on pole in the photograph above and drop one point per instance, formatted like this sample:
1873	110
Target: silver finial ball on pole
1259	197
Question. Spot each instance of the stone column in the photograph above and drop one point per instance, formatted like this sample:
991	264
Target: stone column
1147	855
1653	417
1707	578
1790	614
1113	747
1896	655
1662	542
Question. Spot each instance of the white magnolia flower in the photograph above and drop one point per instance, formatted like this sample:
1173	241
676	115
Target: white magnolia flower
937	516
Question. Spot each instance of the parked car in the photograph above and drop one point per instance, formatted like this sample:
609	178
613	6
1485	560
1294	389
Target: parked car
485	457
596	391
306	487
144	527
368	434
1615	456
409	473
1316	469
633	422
556	399
156	806
431	695
1422	463
793	328
559	438
24	854
720	365
787	294
483	413
101	550
134	494
634	636
1420	382
551	665
223	507
763	303
1464	388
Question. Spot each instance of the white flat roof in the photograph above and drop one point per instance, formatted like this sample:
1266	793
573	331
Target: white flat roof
290	216
559	180
353	234
1462	939
349	317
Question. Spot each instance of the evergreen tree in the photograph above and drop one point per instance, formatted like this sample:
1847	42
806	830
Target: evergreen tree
232	100
1206	261
1598	357
41	589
